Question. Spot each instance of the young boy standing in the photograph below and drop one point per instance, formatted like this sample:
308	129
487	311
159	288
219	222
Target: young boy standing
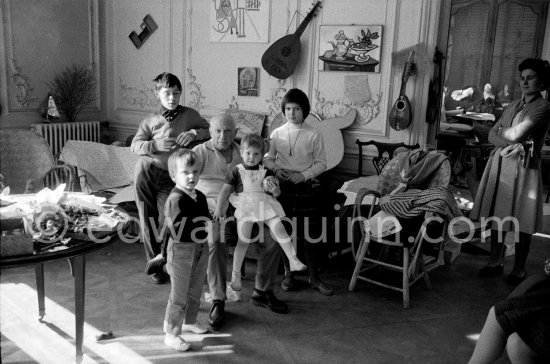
186	217
172	127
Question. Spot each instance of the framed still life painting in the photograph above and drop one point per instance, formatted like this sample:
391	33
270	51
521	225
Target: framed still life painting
353	48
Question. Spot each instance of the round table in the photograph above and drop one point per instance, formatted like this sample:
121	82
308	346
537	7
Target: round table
80	246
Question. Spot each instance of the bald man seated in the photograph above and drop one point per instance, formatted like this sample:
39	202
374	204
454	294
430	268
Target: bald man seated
219	155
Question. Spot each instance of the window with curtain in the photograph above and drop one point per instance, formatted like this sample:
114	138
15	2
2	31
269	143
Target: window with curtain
489	38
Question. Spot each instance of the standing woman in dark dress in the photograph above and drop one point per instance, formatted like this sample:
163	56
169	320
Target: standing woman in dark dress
511	186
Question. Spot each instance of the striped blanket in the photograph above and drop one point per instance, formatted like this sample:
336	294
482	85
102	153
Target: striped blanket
413	203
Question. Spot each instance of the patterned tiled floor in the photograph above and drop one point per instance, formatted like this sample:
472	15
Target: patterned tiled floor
368	325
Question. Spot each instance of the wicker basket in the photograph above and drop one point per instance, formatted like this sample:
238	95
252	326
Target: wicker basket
16	244
14	240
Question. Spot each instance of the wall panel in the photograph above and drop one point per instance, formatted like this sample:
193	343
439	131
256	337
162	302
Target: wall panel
132	70
40	39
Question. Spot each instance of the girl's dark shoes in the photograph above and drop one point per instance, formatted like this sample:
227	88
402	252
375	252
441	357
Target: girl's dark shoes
322	287
491	271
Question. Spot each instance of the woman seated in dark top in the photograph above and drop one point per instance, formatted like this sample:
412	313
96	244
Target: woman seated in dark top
519	323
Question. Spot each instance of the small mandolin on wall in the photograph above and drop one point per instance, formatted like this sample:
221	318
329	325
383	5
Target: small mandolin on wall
401	112
281	58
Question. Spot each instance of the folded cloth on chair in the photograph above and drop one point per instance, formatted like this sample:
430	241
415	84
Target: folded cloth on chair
381	225
413	203
106	166
418	165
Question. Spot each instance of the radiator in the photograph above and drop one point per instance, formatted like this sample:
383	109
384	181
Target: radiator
57	134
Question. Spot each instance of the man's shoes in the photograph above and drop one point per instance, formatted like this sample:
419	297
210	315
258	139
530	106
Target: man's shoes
158	278
322	287
217	314
268	300
155	265
289	283
491	271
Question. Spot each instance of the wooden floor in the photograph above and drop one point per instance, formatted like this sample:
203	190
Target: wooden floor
368	325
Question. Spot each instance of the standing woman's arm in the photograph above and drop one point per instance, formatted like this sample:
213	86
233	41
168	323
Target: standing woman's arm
536	119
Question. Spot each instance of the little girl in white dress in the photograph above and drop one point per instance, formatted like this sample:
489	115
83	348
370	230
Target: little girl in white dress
252	204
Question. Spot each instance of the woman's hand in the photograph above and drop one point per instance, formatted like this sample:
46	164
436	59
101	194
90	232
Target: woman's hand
283	174
296	177
512	151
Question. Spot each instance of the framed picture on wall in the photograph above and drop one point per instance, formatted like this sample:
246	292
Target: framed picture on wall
248	81
245	21
354	48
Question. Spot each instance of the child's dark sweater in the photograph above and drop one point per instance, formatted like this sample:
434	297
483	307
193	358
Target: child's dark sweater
183	215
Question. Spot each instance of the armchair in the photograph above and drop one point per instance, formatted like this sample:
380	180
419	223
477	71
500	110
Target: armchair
427	200
27	163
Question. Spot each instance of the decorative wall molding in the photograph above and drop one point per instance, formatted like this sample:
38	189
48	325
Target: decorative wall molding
328	109
21	85
195	92
191	96
142	96
28	65
274	102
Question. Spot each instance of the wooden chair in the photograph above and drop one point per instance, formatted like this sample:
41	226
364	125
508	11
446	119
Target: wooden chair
59	174
373	252
386	152
26	160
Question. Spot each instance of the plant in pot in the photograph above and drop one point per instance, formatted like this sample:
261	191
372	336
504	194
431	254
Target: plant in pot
73	89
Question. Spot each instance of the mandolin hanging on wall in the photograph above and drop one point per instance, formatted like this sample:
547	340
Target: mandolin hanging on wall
401	112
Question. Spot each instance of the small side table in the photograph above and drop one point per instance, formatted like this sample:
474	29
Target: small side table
76	255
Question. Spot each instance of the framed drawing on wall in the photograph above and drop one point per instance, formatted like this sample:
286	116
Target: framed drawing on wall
353	48
245	21
249	81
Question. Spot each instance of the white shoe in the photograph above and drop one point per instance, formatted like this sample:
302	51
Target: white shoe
296	265
194	328
176	343
236	283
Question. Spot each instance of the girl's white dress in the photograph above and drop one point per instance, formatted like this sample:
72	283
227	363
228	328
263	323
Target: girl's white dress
253	203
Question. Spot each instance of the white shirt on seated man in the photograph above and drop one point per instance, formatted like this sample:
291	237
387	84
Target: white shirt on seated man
219	155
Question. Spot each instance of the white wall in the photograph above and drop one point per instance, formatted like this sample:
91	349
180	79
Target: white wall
407	24
96	32
130	71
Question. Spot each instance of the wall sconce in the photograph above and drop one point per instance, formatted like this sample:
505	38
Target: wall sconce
147	28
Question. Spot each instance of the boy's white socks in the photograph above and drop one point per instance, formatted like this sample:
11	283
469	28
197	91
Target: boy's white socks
176	343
